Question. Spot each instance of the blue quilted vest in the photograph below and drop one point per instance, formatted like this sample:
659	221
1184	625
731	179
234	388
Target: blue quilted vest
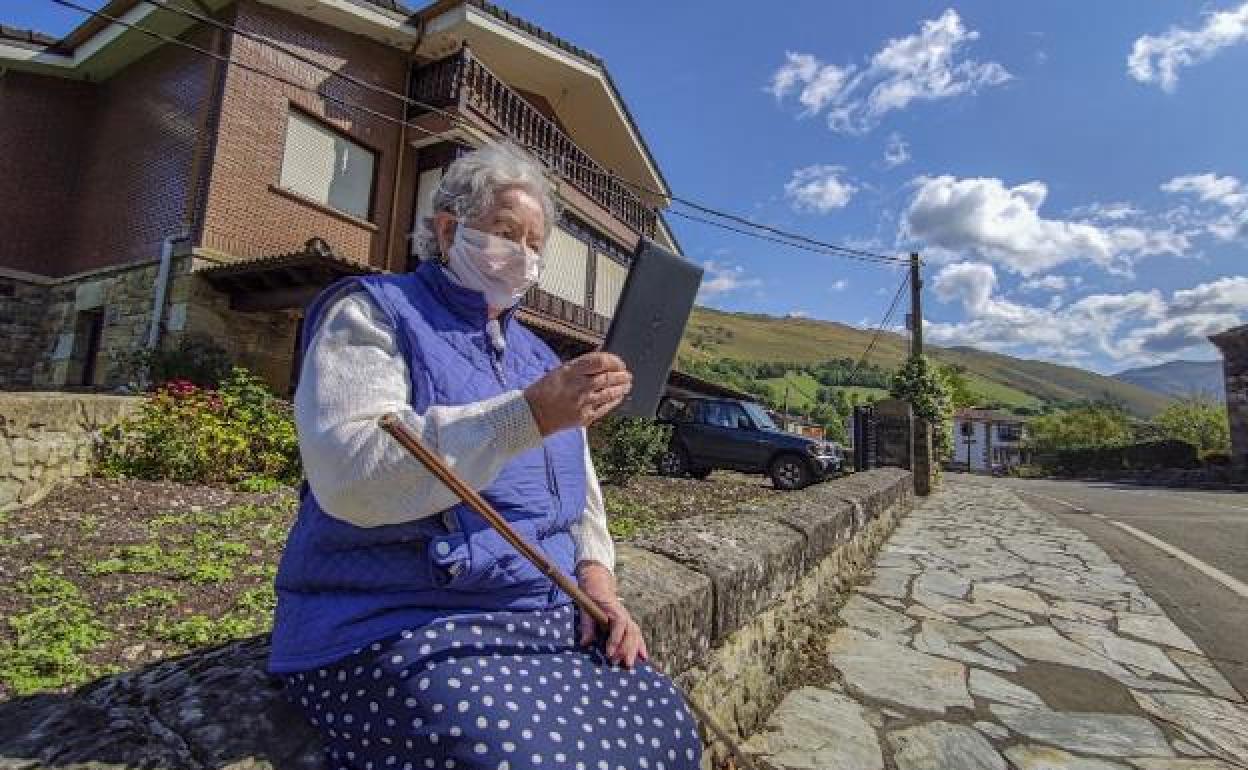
340	586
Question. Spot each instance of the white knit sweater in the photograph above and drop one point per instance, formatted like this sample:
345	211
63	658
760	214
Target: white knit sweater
353	372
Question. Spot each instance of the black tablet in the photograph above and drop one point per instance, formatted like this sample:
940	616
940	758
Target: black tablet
649	321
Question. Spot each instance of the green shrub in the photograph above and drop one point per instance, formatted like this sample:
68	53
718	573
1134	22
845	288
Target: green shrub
197	359
1152	455
625	447
192	434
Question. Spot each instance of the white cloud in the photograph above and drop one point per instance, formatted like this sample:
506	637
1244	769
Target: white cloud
721	279
1157	58
1004	225
897	152
970	282
819	188
797	314
820	83
925	66
1210	188
1046	283
1106	212
1227	193
1136	327
839	284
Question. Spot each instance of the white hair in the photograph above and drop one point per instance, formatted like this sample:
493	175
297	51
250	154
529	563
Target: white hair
471	183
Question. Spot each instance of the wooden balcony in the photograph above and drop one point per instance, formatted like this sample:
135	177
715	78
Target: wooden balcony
461	81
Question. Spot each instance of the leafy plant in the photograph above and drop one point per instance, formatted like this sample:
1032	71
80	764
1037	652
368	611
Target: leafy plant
191	434
52	638
197	359
924	387
627	519
152	597
251	614
206	559
1088	426
625	447
259	484
1197	420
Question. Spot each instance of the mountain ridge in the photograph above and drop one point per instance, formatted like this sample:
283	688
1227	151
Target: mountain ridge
713	333
1178	378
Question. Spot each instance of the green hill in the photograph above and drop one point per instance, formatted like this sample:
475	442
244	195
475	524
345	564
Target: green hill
713	334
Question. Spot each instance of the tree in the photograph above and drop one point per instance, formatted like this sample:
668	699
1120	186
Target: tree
921	384
1088	426
960	392
1198	420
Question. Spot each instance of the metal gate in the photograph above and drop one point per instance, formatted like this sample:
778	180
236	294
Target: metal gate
883	435
865	445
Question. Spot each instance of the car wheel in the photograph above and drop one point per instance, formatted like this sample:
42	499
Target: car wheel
789	472
673	462
700	473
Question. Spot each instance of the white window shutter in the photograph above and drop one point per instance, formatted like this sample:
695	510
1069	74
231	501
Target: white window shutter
567	267
323	166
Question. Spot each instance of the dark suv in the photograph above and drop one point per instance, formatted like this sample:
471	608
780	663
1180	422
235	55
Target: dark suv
711	433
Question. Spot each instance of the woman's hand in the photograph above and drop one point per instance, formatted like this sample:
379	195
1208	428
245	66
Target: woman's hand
624	642
578	392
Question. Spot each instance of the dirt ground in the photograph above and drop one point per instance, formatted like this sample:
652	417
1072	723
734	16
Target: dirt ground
106	575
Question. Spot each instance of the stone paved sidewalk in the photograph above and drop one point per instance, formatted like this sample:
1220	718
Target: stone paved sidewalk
991	636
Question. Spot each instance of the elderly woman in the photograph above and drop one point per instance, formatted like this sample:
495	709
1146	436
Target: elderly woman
407	630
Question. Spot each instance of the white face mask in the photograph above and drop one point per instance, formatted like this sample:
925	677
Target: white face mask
501	269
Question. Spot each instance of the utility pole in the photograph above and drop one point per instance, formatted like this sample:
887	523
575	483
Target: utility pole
916	307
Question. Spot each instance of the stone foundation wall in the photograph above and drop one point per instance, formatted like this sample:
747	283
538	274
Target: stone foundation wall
262	342
48	324
22	301
48	437
726	602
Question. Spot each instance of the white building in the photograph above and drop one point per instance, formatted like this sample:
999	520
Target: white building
985	439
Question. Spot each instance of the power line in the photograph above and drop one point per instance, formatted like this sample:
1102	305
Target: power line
892	308
791	244
824	247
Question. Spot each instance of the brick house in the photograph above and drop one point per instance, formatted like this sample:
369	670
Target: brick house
152	193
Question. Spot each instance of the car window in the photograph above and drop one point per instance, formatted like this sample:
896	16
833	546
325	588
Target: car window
724	415
676	410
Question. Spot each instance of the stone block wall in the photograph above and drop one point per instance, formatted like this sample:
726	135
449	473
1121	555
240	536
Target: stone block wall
22	301
262	342
727	604
47	321
48	437
1234	346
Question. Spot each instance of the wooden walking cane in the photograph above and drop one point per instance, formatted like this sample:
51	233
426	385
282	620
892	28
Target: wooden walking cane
391	424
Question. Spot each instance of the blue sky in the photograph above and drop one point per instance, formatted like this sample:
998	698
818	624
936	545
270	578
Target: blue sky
1071	171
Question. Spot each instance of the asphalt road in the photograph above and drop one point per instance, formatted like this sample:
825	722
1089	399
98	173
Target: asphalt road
1210	528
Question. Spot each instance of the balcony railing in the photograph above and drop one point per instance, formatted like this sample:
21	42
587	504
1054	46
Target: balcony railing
460	80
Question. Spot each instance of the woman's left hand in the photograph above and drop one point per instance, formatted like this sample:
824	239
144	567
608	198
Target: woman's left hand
624	642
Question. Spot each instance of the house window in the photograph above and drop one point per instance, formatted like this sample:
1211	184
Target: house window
967	429
324	166
567	267
1009	432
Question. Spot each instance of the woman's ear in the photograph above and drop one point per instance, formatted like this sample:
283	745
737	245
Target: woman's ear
444	230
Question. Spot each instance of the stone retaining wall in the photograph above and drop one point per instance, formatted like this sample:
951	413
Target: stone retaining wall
48	437
727	604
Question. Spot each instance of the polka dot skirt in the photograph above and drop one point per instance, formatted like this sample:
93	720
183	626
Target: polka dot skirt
500	691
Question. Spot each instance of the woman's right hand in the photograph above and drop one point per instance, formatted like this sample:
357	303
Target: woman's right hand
578	392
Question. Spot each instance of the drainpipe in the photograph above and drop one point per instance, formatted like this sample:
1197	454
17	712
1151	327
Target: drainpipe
161	289
402	145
